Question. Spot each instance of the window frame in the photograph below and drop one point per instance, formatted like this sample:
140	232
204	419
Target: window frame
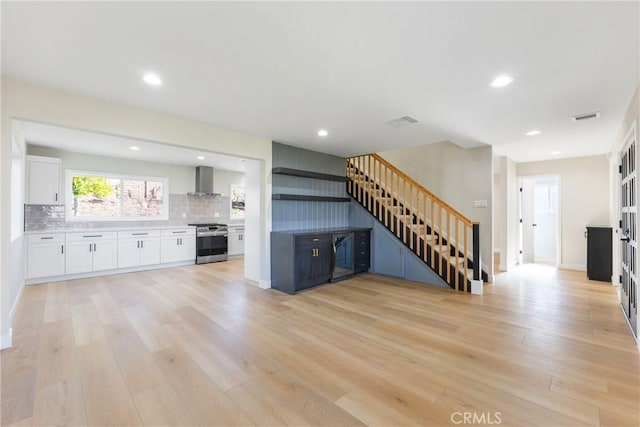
244	211
68	192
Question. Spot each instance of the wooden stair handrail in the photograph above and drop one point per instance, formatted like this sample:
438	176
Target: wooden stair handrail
416	184
372	178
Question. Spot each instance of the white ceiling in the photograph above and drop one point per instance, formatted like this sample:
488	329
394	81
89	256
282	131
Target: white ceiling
79	141
284	70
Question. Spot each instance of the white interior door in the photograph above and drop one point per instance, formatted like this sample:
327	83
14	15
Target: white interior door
527	220
545	214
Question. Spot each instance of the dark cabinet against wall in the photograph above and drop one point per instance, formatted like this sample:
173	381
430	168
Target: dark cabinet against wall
312	264
599	250
362	250
302	259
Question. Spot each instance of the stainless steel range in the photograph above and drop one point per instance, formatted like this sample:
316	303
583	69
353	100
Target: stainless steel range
211	242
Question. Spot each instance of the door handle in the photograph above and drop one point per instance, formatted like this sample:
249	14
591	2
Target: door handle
626	239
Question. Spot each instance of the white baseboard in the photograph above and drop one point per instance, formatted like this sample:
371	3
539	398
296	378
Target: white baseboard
505	267
576	267
264	284
476	287
6	340
14	307
38	280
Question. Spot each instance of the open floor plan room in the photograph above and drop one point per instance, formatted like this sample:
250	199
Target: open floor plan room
200	345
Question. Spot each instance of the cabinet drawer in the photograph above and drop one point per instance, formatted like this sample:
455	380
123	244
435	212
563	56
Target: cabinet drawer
313	240
46	238
361	253
361	235
91	236
179	232
138	234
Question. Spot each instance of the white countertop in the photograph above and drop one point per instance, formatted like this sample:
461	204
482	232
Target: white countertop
104	229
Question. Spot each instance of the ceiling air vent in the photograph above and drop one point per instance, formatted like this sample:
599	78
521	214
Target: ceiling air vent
401	122
588	116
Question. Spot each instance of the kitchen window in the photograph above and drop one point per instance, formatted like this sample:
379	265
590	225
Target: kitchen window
99	196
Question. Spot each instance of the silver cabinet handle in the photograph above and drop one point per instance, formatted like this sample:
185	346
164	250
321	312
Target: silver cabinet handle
142	243
94	247
62	249
179	232
93	235
56	197
138	244
46	238
139	234
90	245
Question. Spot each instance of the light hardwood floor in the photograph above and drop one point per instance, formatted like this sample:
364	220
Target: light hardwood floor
198	345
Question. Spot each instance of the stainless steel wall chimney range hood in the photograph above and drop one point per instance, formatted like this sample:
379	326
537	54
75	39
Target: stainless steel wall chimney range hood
204	183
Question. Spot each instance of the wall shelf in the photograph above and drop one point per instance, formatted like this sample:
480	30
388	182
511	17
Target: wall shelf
306	198
309	174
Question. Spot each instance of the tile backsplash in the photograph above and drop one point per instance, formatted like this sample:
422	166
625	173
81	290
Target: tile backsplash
195	210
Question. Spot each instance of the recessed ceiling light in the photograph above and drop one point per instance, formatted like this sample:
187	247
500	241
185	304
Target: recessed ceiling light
200	157
322	132
534	132
152	79
134	148
502	81
555	153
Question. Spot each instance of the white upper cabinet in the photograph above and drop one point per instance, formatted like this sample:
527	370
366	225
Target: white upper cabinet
43	181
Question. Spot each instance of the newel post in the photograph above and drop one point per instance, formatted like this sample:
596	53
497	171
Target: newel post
476	282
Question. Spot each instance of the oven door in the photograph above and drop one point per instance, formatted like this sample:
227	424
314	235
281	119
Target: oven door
211	246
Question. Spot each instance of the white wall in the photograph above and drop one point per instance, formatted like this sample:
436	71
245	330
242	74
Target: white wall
182	179
507	210
21	100
584	195
458	176
224	180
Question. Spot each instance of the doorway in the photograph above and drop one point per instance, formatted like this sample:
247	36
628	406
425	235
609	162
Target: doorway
539	219
628	230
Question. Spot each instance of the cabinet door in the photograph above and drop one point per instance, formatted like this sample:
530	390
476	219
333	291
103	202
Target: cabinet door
236	244
45	259
79	257
304	264
105	255
43	183
323	264
313	265
171	251
187	248
128	253
150	251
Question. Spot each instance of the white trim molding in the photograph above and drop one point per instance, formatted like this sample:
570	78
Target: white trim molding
264	284
6	340
576	267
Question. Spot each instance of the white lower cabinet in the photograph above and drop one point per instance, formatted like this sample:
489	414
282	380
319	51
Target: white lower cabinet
45	255
88	252
57	254
136	248
236	241
178	245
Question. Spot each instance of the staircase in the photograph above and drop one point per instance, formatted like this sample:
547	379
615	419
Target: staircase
443	238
